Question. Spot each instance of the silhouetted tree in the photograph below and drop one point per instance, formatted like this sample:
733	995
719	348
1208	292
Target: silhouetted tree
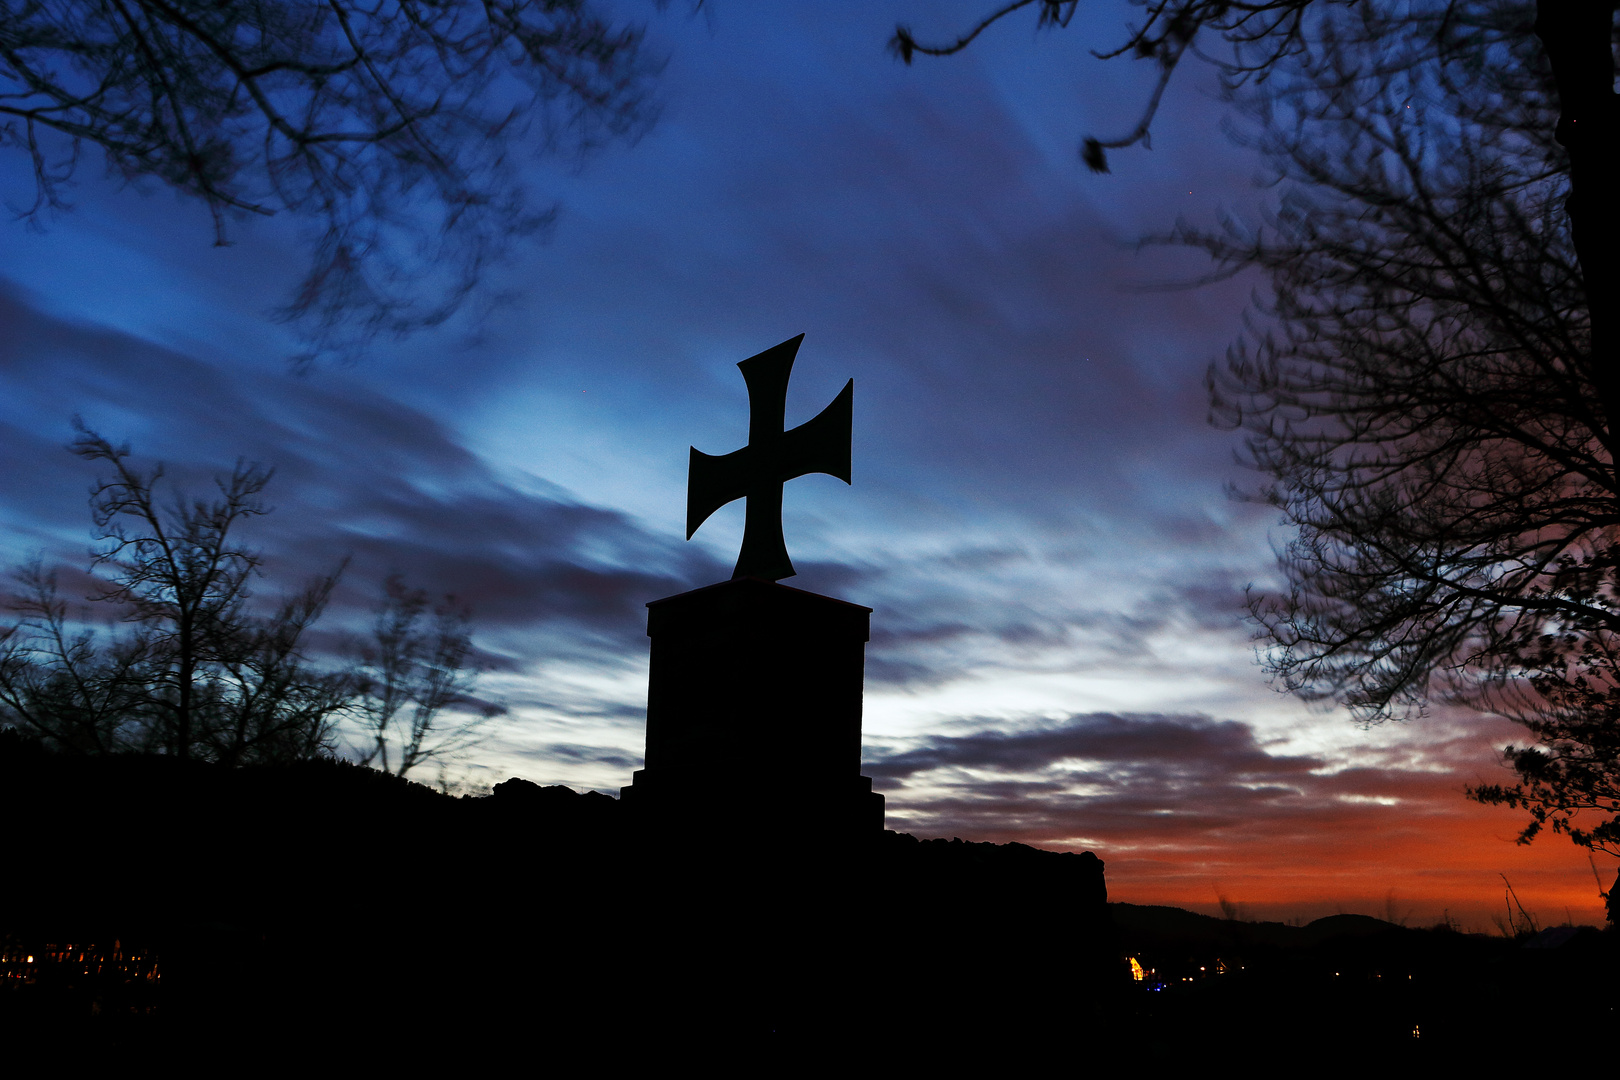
58	681
196	675
1575	39
417	665
390	126
1424	398
1433	388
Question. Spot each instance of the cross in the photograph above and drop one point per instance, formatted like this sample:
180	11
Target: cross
771	458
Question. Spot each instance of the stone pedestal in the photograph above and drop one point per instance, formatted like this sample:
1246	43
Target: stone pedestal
754	715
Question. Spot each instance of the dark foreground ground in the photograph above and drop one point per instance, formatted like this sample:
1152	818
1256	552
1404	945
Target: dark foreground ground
152	910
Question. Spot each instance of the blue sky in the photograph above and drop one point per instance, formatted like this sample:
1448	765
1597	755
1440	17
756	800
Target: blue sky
1039	513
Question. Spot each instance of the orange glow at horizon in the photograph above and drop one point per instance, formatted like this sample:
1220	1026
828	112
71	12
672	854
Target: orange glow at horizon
1219	818
1450	861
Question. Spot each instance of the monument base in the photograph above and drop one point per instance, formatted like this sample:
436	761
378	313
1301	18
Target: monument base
754	714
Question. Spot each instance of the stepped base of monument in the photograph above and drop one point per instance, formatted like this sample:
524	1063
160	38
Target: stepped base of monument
673	803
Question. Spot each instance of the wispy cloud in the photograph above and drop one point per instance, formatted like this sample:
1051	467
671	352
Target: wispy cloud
358	477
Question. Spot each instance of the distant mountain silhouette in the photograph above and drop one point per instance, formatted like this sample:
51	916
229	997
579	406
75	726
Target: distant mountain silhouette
1373	991
1149	921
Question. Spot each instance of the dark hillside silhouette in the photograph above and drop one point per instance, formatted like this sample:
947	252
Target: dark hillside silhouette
297	904
314	896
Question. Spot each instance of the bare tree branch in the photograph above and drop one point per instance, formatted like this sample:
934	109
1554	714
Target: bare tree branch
196	674
388	126
1423	395
416	668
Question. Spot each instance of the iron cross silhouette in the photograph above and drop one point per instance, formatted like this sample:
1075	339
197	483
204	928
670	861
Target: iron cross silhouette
771	458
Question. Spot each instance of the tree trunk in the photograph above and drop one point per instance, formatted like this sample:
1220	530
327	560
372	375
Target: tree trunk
1578	36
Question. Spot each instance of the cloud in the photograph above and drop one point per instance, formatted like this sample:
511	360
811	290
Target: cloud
589	755
358	477
1121	776
1181	806
1190	749
962	614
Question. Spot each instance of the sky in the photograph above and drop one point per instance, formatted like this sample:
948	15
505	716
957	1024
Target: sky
1040	516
